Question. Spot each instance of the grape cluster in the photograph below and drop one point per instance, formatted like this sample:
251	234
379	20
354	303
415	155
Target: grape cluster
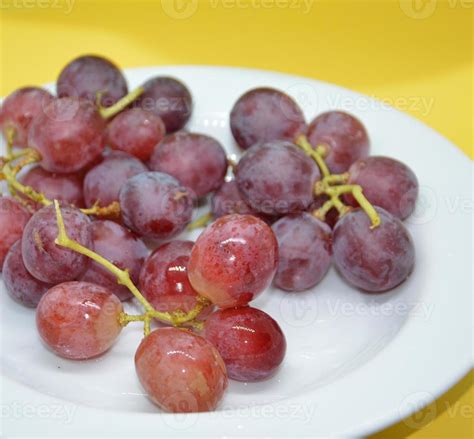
115	174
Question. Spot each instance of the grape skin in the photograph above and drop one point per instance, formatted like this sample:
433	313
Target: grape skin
119	246
250	342
87	75
13	219
233	260
19	109
263	115
374	260
164	279
156	205
44	259
304	249
136	132
180	371
345	137
79	320
169	99
62	187
19	283
277	178
228	199
387	183
196	160
69	135
103	182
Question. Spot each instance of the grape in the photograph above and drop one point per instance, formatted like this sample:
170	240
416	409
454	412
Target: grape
164	279
19	109
263	115
169	99
197	161
250	342
87	75
119	246
331	217
233	260
79	320
69	135
44	259
156	205
343	135
62	187
136	131
374	260
304	249
13	218
181	371
19	283
387	183
228	199
277	178
102	183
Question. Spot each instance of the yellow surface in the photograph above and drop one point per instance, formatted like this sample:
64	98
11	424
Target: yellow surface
415	54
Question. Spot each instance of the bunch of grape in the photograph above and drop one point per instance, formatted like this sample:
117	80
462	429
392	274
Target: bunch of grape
115	173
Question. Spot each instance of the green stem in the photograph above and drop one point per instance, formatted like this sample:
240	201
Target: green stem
120	105
303	143
202	221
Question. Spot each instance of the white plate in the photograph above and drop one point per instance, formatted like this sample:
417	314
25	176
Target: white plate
355	362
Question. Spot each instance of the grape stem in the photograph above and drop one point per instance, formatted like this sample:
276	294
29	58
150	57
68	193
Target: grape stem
335	185
202	221
121	104
176	318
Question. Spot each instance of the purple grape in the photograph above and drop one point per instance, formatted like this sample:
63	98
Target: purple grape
387	183
102	183
304	249
374	260
343	135
277	178
169	99
87	75
156	205
44	259
19	283
228	200
197	161
136	131
119	246
263	115
19	109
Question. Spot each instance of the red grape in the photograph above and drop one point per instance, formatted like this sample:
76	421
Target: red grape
197	161
19	283
19	109
62	187
263	115
87	75
343	135
387	183
374	260
13	218
136	131
331	217
181	371
233	260
304	249
69	135
119	246
250	342
277	178
156	205
228	199
103	182
169	99
44	259
79	320
164	279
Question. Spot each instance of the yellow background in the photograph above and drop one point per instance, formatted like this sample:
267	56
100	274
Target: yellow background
407	52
